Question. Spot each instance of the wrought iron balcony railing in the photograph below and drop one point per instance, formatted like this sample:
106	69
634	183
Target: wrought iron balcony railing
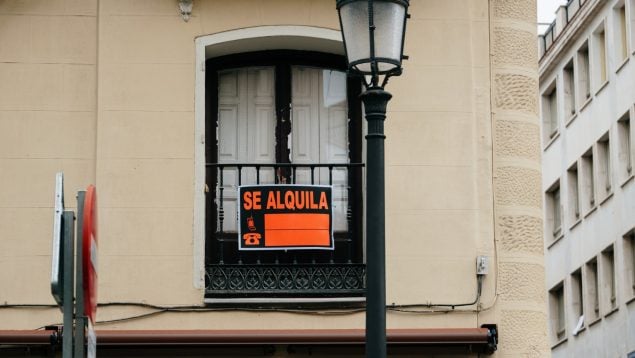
231	273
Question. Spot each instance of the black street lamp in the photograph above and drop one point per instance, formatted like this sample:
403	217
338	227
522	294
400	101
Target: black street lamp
373	33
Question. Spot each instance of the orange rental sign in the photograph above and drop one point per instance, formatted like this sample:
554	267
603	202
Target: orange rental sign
285	217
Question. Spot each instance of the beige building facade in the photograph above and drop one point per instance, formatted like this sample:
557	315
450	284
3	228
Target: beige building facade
157	112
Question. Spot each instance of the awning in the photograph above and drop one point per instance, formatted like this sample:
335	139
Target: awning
472	340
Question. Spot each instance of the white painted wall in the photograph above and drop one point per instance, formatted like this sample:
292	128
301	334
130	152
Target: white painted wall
614	334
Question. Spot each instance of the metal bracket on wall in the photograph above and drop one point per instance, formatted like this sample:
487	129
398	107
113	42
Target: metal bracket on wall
185	8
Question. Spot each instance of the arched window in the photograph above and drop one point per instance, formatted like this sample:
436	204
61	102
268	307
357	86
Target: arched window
282	117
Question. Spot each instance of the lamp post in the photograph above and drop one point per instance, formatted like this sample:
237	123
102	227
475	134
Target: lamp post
373	32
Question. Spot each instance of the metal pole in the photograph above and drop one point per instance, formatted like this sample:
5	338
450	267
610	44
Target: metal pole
68	222
375	101
80	318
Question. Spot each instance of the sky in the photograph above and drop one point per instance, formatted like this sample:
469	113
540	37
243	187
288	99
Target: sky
547	12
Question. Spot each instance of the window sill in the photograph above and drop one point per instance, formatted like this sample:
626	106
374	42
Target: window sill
559	343
606	198
591	210
570	120
575	223
551	140
595	321
613	310
352	301
622	65
586	103
554	241
602	86
627	180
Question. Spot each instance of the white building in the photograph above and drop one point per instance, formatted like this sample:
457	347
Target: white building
587	94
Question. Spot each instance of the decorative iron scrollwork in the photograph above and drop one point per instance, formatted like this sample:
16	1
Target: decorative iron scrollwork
293	280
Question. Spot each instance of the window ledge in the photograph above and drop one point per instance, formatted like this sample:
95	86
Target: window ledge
622	65
570	120
627	180
559	343
282	300
602	86
575	223
554	241
606	198
586	103
551	140
613	310
591	210
595	321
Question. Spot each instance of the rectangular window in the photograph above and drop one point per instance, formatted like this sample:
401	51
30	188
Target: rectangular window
556	305
619	30
608	278
550	112
599	57
588	182
569	90
604	166
592	293
629	262
584	74
554	211
574	193
577	297
624	137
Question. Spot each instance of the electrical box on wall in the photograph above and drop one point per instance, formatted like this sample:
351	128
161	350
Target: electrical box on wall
482	265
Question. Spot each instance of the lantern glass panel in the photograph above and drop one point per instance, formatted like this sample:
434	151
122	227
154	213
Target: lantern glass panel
354	17
389	21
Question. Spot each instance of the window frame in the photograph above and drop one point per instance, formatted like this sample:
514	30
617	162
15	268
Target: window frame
625	146
604	167
620	34
550	113
583	77
600	57
558	312
282	61
588	193
630	20
573	194
577	298
553	198
628	252
592	291
609	280
569	78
